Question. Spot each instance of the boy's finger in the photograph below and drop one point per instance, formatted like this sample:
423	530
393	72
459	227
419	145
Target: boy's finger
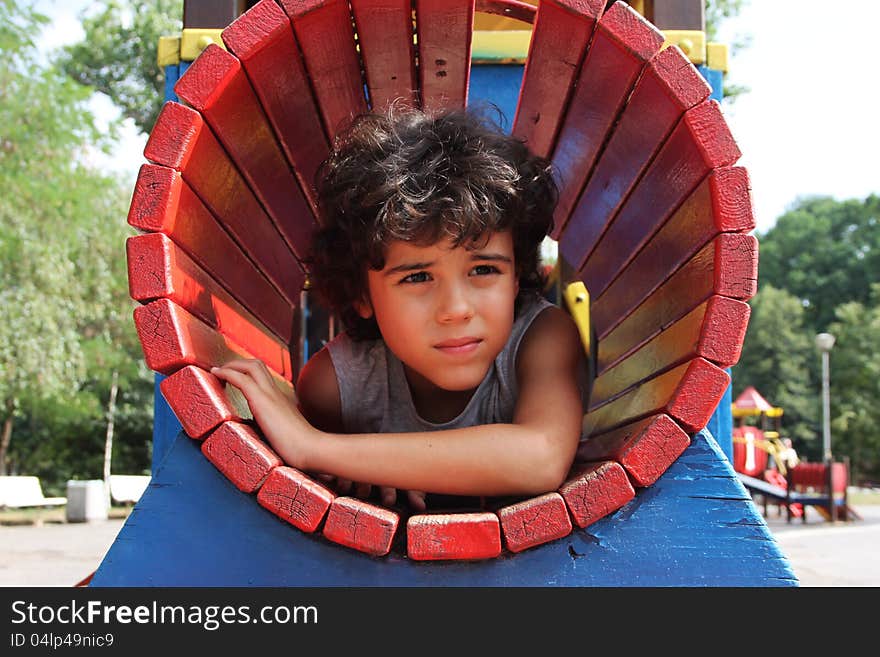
242	381
416	499
388	495
362	490
255	368
343	486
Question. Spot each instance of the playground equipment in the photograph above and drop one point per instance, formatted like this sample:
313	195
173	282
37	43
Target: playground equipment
654	218
763	463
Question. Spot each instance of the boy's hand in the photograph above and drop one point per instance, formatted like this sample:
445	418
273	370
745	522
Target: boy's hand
415	498
274	409
387	494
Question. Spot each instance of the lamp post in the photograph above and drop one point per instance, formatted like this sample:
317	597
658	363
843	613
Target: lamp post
825	341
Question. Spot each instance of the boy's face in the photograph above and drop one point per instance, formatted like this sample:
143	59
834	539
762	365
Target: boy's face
445	312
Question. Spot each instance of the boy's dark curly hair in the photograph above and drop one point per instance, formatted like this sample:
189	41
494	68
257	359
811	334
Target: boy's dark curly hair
419	177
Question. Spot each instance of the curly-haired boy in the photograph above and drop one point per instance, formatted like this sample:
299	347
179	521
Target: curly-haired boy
454	375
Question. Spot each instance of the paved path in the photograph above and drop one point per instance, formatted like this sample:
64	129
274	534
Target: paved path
826	554
54	554
821	554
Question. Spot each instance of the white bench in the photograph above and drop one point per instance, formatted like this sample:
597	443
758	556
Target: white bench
21	491
125	489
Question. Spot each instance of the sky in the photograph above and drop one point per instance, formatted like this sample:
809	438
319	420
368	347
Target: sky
808	125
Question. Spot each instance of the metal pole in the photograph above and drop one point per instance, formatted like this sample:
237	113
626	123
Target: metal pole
825	342
826	408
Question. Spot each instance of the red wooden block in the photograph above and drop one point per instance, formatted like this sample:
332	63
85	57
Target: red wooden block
237	451
444	32
727	266
669	85
714	330
293	497
182	141
198	399
163	202
173	338
595	490
384	30
559	41
362	526
533	522
721	203
620	48
701	142
325	34
435	537
158	268
260	38
645	449
689	394
216	85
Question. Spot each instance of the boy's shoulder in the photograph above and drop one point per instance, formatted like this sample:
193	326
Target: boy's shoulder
318	392
551	341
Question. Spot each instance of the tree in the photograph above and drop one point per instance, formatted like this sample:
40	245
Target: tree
777	356
62	271
825	252
855	386
117	57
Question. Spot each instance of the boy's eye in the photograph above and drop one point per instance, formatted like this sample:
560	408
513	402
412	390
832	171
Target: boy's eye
416	277
484	270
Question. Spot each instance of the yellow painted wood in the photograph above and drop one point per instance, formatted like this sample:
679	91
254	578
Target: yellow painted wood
638	5
494	22
168	51
717	56
194	40
577	300
754	412
691	42
497	47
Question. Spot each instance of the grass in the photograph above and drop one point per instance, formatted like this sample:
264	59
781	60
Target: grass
863	497
54	515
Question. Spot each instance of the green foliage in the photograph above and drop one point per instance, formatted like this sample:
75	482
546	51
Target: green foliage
820	271
855	385
826	253
777	357
117	57
67	316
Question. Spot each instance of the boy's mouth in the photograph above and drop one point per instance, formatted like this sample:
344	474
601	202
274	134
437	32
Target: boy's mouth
458	345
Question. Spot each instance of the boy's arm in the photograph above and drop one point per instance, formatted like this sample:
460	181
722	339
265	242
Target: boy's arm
531	455
321	404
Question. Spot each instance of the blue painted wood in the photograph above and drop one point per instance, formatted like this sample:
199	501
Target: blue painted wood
716	81
166	426
497	84
721	423
172	75
696	526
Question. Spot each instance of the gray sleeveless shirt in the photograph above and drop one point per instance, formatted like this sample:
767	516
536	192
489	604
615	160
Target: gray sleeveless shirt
375	395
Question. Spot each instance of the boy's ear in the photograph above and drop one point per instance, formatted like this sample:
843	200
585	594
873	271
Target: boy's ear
363	307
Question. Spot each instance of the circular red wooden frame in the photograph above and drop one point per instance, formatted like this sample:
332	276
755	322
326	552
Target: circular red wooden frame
184	333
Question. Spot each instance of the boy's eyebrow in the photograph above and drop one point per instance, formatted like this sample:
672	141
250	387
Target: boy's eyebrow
495	257
416	266
407	266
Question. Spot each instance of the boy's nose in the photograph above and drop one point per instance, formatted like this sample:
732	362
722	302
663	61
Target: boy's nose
454	304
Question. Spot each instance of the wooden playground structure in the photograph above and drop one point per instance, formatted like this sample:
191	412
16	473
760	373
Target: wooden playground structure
769	468
653	228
